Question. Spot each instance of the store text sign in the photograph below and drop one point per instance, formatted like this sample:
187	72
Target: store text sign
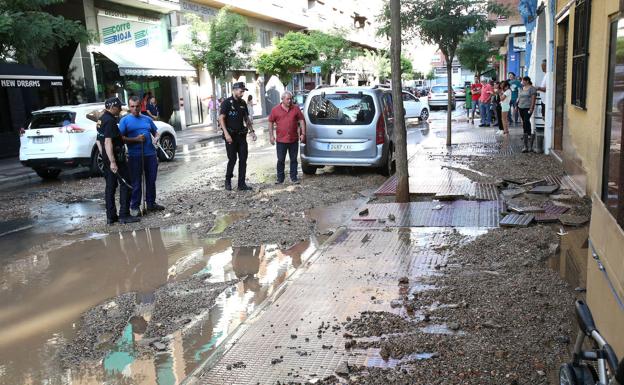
129	30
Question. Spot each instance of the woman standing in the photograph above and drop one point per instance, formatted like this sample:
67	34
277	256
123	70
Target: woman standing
250	104
505	104
526	104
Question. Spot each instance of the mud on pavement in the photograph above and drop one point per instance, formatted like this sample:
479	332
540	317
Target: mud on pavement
498	315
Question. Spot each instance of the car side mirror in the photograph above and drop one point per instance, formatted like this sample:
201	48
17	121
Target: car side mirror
417	99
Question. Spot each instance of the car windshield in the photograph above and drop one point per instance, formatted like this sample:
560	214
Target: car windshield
439	90
341	109
52	119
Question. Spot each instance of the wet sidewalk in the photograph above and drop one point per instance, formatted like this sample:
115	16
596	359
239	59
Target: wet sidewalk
300	337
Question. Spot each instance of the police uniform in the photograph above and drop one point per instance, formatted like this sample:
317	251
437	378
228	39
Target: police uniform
107	127
236	114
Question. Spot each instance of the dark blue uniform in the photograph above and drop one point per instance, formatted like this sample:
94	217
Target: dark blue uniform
107	128
236	114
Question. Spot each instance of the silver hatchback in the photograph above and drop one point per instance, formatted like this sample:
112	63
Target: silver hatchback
348	126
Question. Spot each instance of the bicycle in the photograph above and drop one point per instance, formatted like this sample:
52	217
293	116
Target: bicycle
579	371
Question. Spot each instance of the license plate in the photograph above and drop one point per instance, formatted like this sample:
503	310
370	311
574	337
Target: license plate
42	139
339	147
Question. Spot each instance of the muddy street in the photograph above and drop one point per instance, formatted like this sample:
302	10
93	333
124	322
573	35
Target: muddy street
326	282
101	300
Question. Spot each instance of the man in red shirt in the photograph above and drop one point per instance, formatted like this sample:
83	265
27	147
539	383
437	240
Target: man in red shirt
484	103
475	89
290	127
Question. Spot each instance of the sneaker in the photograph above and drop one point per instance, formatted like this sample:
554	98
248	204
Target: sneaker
130	219
295	181
135	212
279	182
112	221
244	188
155	207
228	185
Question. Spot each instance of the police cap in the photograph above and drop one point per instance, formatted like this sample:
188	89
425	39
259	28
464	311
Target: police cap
112	102
239	85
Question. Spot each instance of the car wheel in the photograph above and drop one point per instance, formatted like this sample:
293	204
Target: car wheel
97	163
308	169
48	173
167	142
424	114
389	166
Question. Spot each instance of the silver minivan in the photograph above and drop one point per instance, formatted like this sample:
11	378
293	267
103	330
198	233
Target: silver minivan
348	126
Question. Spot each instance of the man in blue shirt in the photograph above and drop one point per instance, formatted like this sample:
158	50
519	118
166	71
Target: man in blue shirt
141	135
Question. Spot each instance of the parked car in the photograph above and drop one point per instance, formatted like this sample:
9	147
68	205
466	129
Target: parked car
63	137
460	93
438	97
349	126
299	98
415	107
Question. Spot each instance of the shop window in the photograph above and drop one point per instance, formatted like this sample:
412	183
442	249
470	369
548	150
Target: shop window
613	165
265	38
580	53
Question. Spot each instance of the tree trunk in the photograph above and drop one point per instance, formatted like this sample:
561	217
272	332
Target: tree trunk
213	112
400	134
449	110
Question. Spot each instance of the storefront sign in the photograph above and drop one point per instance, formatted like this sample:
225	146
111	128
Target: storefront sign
117	28
198	9
29	83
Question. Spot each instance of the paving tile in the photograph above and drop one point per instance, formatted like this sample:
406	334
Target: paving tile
544	189
516	220
339	283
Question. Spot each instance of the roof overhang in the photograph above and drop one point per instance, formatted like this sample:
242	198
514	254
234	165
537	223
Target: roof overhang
146	62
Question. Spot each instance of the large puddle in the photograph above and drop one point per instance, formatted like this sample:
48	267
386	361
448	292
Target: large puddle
47	281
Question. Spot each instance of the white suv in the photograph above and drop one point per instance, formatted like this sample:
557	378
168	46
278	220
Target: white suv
64	137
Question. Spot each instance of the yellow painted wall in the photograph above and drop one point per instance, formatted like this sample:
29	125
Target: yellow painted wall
608	240
586	127
586	130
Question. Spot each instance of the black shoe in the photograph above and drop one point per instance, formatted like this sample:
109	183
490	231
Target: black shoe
295	181
279	182
112	221
155	207
481	125
244	187
129	219
228	185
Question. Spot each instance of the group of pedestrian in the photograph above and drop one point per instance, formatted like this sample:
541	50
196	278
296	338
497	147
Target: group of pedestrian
132	170
500	104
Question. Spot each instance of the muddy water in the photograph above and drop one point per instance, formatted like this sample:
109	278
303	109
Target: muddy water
43	293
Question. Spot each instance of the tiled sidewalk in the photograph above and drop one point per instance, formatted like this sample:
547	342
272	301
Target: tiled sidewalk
299	336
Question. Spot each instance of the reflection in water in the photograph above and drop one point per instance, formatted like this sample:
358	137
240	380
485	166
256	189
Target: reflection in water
43	294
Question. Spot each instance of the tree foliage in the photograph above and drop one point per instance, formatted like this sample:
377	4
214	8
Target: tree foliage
290	54
219	45
474	52
27	31
445	23
334	52
407	69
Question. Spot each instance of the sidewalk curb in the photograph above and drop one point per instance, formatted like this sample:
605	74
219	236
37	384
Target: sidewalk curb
194	377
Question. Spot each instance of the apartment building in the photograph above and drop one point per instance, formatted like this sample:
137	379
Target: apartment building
269	20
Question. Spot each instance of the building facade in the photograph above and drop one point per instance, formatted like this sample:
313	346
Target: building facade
459	74
588	116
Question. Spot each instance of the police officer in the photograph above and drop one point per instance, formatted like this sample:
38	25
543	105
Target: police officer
115	166
236	124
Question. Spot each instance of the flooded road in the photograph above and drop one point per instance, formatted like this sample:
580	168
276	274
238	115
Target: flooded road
43	294
51	273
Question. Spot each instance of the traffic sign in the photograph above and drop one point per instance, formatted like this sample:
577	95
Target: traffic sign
316	69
